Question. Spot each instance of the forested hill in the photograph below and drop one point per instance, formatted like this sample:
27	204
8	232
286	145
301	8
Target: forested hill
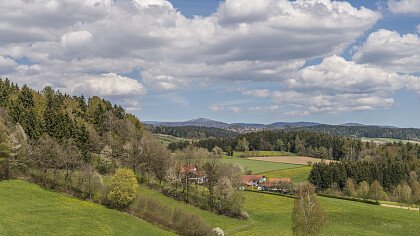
194	132
366	131
91	123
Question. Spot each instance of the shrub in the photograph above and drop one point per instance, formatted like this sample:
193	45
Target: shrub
122	190
152	211
190	224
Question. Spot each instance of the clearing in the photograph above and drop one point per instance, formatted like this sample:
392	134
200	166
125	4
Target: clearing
297	174
298	160
257	166
27	209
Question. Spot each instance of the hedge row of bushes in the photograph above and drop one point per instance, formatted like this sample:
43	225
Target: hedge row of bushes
176	219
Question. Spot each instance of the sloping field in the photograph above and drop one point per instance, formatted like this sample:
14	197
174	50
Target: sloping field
298	174
271	215
258	166
27	209
298	160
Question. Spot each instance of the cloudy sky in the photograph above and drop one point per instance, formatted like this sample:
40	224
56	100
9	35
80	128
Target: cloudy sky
234	60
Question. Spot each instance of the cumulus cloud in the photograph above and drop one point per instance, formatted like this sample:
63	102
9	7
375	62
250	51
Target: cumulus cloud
404	7
108	85
221	107
391	51
243	40
337	85
262	93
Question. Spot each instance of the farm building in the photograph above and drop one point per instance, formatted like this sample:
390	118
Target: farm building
253	180
276	185
192	173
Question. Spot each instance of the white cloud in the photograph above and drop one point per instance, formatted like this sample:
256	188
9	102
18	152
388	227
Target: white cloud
271	108
109	85
7	65
256	40
418	28
262	93
337	85
221	107
404	7
391	51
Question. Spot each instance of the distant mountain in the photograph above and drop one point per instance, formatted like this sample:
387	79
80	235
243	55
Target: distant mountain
203	122
200	122
278	125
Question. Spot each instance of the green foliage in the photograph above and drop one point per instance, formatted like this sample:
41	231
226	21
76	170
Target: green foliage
122	190
192	132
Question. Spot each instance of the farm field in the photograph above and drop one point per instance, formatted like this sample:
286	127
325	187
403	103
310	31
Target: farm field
27	209
167	139
297	174
263	154
258	166
388	140
298	160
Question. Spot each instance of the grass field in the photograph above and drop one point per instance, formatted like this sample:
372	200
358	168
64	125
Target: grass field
167	139
263	154
271	215
27	209
300	160
257	166
388	140
298	174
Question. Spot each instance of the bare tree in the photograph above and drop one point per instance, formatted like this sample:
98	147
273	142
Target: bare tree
308	217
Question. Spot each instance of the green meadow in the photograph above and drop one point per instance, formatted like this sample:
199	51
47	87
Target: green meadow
30	210
257	166
27	209
297	174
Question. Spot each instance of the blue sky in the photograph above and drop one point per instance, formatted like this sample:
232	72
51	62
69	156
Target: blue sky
234	61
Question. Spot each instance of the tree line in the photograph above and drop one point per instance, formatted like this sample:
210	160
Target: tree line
306	143
192	132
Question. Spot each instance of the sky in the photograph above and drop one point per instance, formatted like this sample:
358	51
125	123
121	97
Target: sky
259	61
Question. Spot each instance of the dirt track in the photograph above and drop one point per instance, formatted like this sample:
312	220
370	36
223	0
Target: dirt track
290	159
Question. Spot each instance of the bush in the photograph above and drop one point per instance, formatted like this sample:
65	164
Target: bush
190	224
122	190
152	211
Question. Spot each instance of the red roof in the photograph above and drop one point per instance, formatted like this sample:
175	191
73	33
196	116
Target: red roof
249	178
184	168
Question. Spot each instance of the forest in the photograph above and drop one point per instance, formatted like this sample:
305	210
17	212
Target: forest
192	132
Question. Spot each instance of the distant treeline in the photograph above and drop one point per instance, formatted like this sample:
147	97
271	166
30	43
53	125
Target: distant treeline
301	142
192	132
366	131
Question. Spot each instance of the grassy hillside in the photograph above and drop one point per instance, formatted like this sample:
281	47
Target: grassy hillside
229	225
298	174
30	210
257	166
271	215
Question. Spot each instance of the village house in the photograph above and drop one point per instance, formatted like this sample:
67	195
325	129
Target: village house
276	185
191	172
253	180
